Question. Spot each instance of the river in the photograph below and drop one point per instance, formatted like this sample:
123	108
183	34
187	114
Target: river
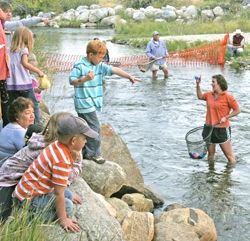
152	117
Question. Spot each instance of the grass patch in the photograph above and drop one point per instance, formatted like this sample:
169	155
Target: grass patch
18	227
70	24
145	28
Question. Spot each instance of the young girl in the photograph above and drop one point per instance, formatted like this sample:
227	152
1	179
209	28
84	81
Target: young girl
20	81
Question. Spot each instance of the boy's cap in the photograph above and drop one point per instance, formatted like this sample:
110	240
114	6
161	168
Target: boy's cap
73	125
155	33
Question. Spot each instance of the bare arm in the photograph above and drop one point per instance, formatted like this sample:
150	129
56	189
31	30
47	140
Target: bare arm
29	66
232	114
28	22
198	89
67	223
124	74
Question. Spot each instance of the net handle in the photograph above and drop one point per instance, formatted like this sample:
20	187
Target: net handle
143	67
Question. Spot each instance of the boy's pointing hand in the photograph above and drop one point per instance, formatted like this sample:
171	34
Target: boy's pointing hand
133	79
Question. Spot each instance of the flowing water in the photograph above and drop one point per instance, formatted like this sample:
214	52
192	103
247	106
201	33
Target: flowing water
152	117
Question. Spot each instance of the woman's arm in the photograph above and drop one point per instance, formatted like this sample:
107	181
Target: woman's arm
28	22
198	88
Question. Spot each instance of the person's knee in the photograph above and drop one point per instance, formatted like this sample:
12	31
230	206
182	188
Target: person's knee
68	194
69	207
240	51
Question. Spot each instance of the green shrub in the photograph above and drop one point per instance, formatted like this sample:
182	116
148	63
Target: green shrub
66	4
70	24
24	7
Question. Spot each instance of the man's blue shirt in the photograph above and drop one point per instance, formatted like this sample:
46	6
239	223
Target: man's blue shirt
156	49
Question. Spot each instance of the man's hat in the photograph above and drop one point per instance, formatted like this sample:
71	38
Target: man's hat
155	33
237	31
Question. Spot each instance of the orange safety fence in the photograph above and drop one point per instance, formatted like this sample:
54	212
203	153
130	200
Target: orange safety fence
212	53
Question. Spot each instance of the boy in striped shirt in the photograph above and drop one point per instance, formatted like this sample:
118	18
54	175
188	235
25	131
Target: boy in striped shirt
46	180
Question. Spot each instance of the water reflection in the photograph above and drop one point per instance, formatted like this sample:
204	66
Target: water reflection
152	117
212	191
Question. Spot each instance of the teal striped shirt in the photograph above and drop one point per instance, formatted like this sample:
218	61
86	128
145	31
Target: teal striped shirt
89	95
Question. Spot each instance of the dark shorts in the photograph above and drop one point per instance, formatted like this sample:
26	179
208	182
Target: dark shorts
219	135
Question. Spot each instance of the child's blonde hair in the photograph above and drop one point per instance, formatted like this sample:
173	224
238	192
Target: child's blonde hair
22	38
50	131
96	47
5	6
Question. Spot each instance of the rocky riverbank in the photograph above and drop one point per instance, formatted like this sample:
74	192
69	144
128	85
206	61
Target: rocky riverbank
118	206
96	15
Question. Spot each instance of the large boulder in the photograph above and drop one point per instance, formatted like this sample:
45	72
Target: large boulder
137	202
115	150
185	224
218	11
94	218
122	209
139	16
110	21
191	12
105	179
138	226
83	16
95	15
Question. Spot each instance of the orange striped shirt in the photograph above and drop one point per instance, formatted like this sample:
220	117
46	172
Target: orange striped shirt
52	167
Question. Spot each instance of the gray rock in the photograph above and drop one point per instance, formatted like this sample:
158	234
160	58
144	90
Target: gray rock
138	226
106	179
93	216
185	224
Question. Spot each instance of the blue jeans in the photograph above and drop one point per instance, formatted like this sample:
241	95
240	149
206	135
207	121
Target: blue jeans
93	146
45	205
13	94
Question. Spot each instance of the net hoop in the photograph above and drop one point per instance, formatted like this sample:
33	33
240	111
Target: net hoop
198	149
206	139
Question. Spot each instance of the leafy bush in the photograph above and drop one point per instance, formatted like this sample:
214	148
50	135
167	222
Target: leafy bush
137	3
24	7
66	4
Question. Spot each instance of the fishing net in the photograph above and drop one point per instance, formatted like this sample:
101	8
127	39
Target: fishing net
212	53
197	144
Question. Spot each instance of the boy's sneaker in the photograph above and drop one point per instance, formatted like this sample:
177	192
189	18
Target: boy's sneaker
97	159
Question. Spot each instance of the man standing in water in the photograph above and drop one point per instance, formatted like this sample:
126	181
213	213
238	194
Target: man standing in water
156	50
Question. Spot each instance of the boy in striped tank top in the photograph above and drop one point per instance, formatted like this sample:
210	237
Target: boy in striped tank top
46	179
